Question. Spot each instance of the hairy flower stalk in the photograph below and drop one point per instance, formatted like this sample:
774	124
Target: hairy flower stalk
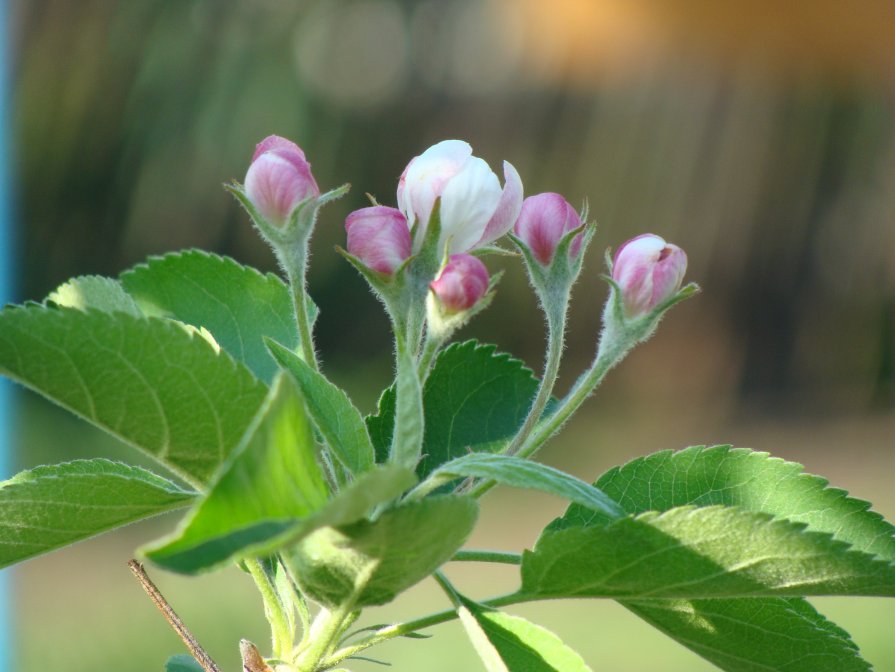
552	239
621	332
283	199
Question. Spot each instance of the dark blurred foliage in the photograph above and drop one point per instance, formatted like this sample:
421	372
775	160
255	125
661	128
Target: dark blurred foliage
760	139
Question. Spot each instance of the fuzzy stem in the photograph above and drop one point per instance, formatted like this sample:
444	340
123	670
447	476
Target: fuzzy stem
555	309
328	626
281	632
295	263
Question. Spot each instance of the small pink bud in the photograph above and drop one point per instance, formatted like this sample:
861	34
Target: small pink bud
649	271
278	179
544	220
379	237
462	283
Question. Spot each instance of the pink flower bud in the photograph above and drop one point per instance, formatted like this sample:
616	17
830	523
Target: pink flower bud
278	179
475	211
648	270
544	220
462	283
379	237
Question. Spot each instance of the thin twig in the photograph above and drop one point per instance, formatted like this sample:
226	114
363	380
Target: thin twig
173	619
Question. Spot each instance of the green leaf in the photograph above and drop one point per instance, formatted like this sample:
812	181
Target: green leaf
145	381
705	552
370	563
94	291
755	634
183	663
53	506
748	634
739	477
271	479
520	473
474	401
236	303
335	416
512	644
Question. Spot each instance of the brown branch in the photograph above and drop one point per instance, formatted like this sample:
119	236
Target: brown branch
173	619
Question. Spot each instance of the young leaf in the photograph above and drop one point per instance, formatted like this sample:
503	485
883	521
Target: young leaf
700	553
739	477
236	303
270	479
209	538
512	644
755	634
182	663
370	563
145	381
94	291
53	506
474	400
335	416
519	473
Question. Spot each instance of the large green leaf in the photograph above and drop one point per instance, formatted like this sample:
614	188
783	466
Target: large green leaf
474	400
271	479
739	477
519	473
236	303
370	563
94	291
693	552
747	634
53	506
512	644
147	381
336	417
755	634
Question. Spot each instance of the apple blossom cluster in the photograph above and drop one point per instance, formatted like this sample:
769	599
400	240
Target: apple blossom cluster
451	209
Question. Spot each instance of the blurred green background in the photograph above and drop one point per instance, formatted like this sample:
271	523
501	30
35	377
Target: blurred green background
759	136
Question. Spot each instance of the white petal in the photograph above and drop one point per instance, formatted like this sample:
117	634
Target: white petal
467	203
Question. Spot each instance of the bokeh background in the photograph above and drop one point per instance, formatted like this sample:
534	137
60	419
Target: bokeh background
758	135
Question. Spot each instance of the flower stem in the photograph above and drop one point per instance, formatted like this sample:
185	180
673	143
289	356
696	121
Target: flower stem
281	630
555	309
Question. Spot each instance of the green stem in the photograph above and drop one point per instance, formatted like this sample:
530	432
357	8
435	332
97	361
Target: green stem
430	349
328	626
281	632
584	387
447	587
555	309
298	599
401	629
500	557
300	303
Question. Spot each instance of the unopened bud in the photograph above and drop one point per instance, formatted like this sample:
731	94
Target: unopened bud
648	271
544	220
461	284
379	237
278	179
